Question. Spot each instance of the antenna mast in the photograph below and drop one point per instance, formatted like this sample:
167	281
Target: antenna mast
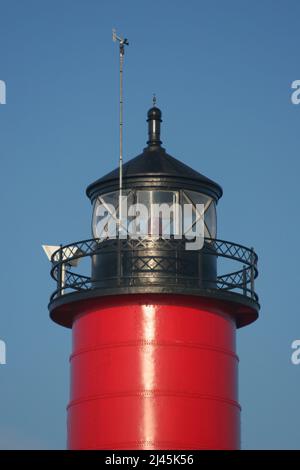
122	43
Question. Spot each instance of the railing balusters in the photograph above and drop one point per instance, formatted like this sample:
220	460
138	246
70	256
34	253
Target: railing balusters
60	270
242	280
252	274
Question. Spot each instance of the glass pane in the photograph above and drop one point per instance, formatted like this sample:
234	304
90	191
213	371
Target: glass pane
192	214
111	198
198	198
106	214
164	213
104	220
189	215
210	218
142	225
162	218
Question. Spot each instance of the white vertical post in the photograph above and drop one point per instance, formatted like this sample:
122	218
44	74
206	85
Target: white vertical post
122	43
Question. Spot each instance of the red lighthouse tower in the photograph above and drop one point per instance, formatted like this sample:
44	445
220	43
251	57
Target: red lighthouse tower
154	364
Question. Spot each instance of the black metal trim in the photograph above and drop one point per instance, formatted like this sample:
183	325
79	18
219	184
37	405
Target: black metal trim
63	309
236	286
152	181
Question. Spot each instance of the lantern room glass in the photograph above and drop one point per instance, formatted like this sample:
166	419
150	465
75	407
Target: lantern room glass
152	222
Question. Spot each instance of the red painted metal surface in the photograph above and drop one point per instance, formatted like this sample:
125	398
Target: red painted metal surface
153	372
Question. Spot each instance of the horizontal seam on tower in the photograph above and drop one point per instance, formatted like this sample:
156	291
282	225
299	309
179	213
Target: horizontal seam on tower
160	445
153	393
155	343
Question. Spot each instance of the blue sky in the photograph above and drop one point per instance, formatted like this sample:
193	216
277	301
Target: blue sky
222	73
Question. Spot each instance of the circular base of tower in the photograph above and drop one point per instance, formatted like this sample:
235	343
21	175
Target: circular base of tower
64	309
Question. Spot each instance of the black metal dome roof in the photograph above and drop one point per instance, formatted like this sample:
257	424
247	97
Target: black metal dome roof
155	168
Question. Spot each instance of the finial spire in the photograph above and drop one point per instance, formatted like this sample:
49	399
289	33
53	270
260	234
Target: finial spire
154	100
154	120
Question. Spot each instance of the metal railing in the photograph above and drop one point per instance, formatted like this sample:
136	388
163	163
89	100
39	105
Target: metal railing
66	258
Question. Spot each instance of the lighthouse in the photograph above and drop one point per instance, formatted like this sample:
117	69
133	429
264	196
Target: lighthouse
154	314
